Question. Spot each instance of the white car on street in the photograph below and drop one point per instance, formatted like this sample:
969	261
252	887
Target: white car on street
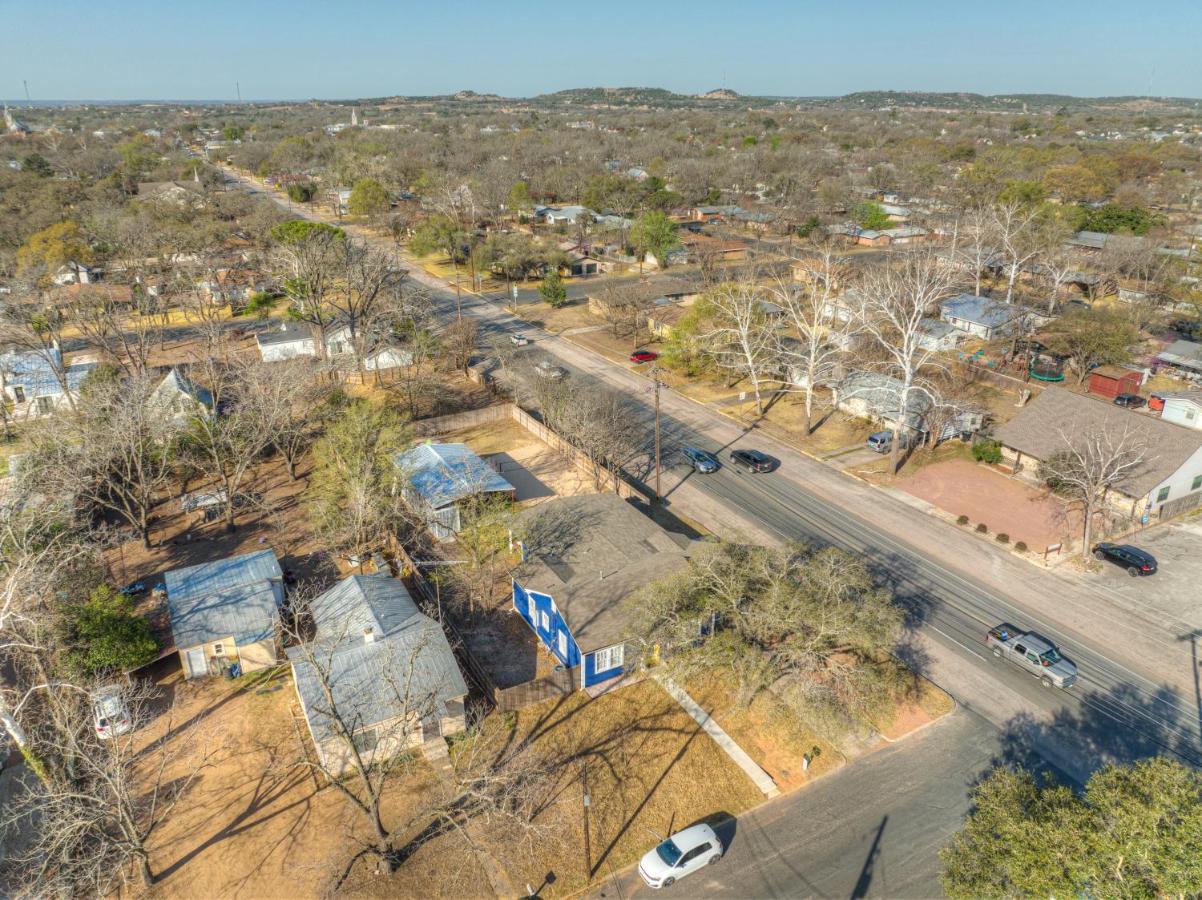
518	339
684	852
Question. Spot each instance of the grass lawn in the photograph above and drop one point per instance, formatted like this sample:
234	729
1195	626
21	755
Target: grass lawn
770	732
930	702
877	471
651	770
573	314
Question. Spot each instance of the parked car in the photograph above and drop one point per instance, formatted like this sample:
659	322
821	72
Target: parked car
643	356
752	460
1131	401
681	854
1033	654
882	441
700	460
109	713
548	369
518	339
1137	562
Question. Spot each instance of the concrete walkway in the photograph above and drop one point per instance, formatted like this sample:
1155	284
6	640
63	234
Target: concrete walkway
761	778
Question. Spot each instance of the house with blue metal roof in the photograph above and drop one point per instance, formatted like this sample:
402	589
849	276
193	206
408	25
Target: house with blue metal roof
223	613
36	382
435	479
582	558
378	675
982	317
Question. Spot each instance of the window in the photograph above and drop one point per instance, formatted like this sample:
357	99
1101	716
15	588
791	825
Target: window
609	658
693	854
1031	657
1197	483
44	405
1190	415
1019	648
1162	495
18	394
544	620
366	740
219	649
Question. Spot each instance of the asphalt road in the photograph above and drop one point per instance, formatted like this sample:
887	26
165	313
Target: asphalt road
1123	707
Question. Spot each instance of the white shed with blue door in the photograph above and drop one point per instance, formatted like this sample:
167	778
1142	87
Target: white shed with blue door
583	558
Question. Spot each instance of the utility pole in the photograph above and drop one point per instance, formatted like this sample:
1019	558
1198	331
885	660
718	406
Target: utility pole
655	375
28	102
458	295
238	88
588	850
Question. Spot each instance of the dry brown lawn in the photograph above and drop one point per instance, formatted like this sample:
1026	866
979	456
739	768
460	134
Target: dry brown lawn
651	770
258	825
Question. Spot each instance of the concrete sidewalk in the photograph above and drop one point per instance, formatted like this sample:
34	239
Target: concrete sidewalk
761	778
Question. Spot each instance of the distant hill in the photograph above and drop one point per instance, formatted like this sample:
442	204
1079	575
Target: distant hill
1007	102
719	94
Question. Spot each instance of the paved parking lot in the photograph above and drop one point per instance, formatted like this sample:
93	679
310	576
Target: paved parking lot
1172	598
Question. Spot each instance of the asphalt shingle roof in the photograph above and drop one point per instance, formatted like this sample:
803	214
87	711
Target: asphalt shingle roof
590	553
1048	423
234	596
443	474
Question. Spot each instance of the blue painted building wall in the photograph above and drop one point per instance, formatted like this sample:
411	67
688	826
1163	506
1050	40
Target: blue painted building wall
532	605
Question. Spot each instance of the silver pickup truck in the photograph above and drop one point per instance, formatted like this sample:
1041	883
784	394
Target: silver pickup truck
1035	655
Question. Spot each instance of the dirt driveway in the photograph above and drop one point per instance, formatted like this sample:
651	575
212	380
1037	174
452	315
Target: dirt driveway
963	488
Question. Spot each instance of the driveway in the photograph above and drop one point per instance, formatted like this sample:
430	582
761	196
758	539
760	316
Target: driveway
1005	505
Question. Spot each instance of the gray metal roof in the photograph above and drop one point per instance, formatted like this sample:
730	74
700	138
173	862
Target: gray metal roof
214	600
1183	353
406	667
443	474
590	553
287	333
981	310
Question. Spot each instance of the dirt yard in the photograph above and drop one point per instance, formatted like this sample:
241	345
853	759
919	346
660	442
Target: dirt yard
257	824
535	469
1005	505
651	770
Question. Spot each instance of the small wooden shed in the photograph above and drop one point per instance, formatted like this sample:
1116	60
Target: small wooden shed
1110	381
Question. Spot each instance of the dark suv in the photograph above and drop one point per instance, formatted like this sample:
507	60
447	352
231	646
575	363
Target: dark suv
1135	561
752	460
1131	401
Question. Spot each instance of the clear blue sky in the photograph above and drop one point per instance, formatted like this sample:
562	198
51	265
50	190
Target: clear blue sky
134	49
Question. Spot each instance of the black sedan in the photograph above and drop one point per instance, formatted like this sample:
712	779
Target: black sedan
752	460
1137	562
1131	401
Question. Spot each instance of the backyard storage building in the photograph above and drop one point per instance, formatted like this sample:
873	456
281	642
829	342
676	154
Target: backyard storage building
394	681
435	479
1110	381
1183	408
582	557
223	613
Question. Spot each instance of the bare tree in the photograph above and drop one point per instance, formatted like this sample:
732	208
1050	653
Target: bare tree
1016	224
894	299
293	391
823	333
113	454
980	245
1092	463
126	332
368	297
461	338
91	819
740	336
310	266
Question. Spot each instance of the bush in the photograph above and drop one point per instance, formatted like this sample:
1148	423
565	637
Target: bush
962	520
1020	546
982	528
301	192
104	634
987	452
1003	538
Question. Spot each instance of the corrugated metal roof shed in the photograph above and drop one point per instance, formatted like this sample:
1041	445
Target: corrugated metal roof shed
443	474
236	596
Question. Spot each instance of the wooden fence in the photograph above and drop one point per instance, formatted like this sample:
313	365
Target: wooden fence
557	685
457	421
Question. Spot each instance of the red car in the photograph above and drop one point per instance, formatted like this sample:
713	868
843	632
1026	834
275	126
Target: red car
642	356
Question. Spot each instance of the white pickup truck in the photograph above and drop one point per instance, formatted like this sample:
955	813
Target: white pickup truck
1035	655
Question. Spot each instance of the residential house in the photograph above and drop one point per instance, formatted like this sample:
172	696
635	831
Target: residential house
1185	356
292	339
223	613
1169	480
181	194
982	317
73	272
437	478
582	558
644	293
871	237
896	213
233	286
752	220
392	678
701	246
712	213
181	397
1182	408
663	316
937	336
561	215
33	380
1110	381
869	395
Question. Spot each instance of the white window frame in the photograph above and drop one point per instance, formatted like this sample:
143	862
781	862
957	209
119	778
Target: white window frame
561	641
609	658
219	648
544	620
